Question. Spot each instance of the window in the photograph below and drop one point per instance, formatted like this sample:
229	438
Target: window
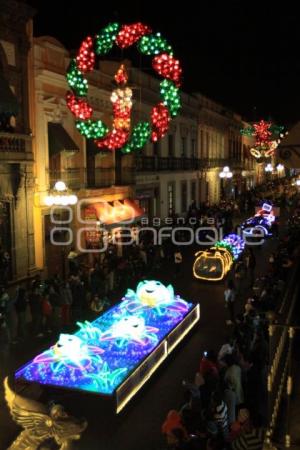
183	147
202	144
156	148
193	191
193	148
171	194
207	146
183	196
170	145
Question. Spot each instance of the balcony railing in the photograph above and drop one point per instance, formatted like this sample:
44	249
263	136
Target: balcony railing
126	176
103	177
154	163
15	146
72	177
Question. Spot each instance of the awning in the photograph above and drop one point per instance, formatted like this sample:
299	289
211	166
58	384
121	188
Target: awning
116	213
288	151
8	101
60	140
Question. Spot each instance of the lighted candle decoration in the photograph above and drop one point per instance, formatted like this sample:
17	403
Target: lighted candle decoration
214	264
122	106
103	353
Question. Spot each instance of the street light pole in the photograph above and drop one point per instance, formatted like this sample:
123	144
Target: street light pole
225	175
61	196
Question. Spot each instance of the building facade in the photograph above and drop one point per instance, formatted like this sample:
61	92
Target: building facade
164	178
16	158
62	154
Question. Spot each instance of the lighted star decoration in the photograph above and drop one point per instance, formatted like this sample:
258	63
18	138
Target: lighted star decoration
121	134
267	137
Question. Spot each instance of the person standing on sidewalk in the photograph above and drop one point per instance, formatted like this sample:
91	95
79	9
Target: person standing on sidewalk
229	297
177	261
251	264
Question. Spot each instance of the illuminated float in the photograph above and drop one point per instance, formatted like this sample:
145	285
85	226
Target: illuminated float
260	225
116	354
214	263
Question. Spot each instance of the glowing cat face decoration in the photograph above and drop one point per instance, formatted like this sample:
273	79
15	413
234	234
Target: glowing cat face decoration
71	347
153	293
130	327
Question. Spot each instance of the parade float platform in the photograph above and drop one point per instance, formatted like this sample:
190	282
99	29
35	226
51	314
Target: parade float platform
114	355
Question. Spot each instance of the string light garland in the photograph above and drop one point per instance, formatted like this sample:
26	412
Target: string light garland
153	44
79	107
130	34
168	67
171	97
86	56
76	81
121	136
140	135
267	137
160	119
92	129
105	40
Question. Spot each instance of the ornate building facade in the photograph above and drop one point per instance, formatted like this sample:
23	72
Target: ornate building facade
16	157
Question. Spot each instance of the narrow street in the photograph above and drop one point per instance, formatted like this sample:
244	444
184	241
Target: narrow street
140	422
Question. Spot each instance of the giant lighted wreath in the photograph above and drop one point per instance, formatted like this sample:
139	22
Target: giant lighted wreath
121	136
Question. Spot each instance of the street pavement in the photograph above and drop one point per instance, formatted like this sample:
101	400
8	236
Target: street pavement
138	425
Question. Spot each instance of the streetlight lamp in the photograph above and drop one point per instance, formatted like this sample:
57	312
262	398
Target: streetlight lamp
269	168
60	195
225	175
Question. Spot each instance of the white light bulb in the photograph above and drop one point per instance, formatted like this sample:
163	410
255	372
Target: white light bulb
49	200
60	186
73	199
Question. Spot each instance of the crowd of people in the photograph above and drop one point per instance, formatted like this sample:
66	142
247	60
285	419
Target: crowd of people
225	406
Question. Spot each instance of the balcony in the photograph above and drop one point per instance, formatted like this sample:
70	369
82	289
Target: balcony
154	163
15	147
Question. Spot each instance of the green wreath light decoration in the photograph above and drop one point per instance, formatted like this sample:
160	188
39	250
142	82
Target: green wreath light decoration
121	136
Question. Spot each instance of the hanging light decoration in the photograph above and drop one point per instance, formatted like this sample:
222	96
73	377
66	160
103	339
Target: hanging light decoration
86	57
122	135
79	107
168	67
153	44
130	34
105	40
76	81
160	119
266	138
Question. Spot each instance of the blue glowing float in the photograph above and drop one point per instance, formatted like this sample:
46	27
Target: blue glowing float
117	353
260	225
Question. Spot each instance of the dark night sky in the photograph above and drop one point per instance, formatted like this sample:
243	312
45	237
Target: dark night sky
243	54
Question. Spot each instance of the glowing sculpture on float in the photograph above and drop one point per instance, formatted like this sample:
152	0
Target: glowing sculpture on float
104	356
214	264
260	225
